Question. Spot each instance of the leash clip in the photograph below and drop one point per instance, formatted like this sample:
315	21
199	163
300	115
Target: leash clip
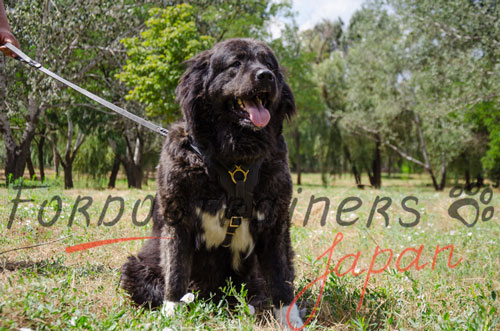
30	62
162	131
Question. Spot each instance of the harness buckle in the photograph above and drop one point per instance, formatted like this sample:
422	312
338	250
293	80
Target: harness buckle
234	224
238	222
237	170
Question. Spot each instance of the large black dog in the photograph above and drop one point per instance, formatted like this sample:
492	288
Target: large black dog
224	185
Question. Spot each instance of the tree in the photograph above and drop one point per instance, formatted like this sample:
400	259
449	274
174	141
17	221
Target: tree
371	71
154	63
62	34
402	78
303	130
452	52
486	116
324	38
155	60
223	19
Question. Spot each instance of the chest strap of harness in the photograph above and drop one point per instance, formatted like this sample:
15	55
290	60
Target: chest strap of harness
238	182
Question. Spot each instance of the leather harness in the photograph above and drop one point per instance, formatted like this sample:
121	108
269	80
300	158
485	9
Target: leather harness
238	181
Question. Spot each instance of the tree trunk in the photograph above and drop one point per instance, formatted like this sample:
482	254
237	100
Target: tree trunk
442	183
145	178
434	181
479	180
68	174
468	185
389	166
296	135
376	178
16	154
354	169
31	169
56	160
114	172
15	163
131	159
41	165
134	174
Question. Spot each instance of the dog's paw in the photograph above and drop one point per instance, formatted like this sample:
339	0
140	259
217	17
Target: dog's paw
294	319
188	298
251	309
168	308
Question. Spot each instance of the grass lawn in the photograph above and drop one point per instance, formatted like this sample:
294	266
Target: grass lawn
46	288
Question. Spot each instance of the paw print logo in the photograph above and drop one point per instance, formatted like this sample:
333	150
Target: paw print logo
485	198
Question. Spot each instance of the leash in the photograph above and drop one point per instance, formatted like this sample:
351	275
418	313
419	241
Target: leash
139	120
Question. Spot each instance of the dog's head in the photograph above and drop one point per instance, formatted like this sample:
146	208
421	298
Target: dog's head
234	95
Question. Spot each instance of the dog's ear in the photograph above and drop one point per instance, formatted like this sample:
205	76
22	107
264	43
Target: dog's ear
191	89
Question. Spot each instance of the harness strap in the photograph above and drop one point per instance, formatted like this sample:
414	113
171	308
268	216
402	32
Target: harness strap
234	223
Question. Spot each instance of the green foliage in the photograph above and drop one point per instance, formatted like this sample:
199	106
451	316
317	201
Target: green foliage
154	63
95	158
302	132
224	19
419	77
487	115
452	53
407	78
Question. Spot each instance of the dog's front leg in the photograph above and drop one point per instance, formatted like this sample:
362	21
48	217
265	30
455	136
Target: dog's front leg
176	260
276	260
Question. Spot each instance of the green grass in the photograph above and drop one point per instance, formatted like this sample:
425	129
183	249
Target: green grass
46	288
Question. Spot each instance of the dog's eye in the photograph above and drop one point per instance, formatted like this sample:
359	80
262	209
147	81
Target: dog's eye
235	64
269	66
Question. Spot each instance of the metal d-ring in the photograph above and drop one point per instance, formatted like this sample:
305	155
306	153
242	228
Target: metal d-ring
238	169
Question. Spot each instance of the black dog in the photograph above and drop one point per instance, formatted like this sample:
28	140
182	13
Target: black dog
224	186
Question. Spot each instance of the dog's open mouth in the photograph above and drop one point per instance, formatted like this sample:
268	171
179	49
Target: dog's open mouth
254	108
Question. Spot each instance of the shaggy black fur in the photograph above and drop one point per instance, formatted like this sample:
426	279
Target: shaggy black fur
207	93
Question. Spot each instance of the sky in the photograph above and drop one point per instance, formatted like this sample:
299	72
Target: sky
311	12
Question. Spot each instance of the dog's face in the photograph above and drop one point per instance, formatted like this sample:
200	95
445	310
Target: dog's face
244	79
235	89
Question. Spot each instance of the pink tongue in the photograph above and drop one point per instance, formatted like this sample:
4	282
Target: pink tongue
258	114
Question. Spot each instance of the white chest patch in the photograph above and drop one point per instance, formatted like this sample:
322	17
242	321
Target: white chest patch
214	234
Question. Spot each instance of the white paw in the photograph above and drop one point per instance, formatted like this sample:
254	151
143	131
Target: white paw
188	298
251	309
293	320
168	308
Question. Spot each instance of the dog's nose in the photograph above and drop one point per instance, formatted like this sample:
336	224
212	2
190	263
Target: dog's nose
265	75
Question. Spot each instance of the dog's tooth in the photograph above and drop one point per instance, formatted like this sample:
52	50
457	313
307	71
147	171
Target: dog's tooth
260	101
